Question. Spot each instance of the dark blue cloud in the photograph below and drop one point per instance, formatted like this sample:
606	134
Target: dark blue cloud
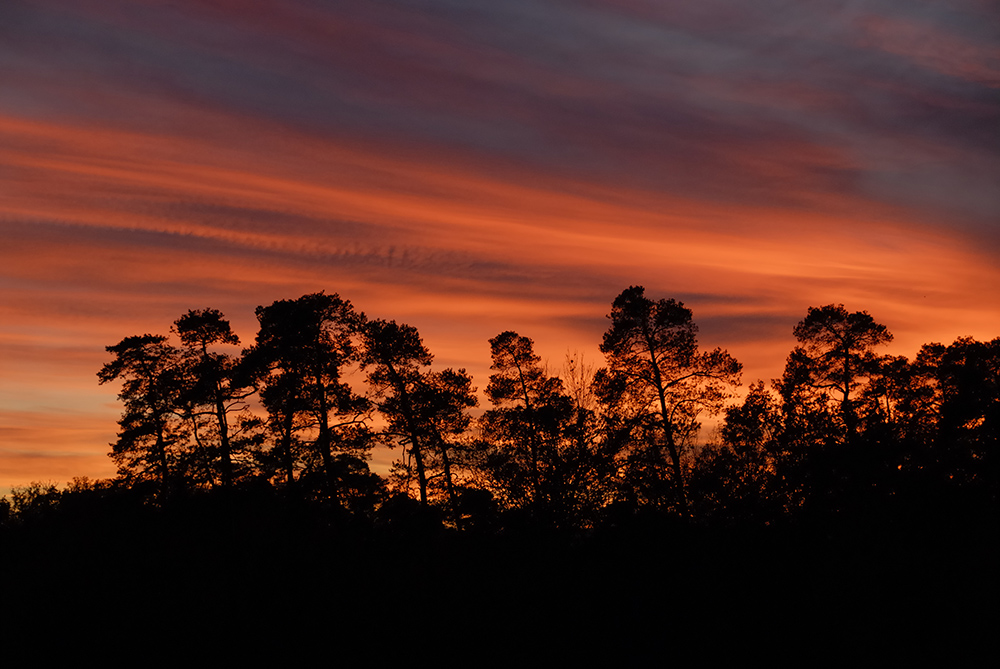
636	93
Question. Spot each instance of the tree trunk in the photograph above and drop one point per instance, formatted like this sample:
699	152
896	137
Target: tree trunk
286	447
226	453
668	428
324	443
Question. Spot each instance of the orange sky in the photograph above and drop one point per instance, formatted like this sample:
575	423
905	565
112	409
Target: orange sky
467	172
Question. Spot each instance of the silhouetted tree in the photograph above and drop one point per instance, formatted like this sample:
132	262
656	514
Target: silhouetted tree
425	411
441	401
889	382
34	501
657	380
395	356
753	425
214	389
152	428
586	466
530	414
831	381
281	394
300	353
954	411
738	478
854	434
835	360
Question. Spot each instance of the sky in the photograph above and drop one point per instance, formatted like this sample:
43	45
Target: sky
469	167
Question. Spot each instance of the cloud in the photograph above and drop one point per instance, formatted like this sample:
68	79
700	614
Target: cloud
472	167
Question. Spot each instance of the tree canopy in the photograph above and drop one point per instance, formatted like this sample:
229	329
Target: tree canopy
657	379
302	408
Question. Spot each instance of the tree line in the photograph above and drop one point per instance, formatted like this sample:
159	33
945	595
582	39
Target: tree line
846	428
580	512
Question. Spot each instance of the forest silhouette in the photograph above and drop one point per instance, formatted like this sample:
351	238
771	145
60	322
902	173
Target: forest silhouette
859	487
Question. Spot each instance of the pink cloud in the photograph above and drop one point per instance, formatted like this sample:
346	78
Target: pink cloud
933	47
465	185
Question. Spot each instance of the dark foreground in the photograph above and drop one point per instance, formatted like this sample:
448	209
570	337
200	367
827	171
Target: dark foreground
242	578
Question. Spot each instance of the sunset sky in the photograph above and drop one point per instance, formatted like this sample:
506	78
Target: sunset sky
470	167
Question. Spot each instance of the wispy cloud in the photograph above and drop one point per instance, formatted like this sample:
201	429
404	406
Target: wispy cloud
471	167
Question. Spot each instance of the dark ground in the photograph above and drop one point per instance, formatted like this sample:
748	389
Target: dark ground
223	579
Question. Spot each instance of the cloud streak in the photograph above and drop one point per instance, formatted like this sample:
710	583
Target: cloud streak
476	167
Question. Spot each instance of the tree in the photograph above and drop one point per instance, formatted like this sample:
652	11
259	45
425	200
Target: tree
586	467
834	384
34	501
835	360
213	386
299	355
288	416
754	425
879	403
394	355
439	404
578	382
953	411
657	381
421	409
531	412
737	478
151	426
